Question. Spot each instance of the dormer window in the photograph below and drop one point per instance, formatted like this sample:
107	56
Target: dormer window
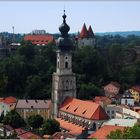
75	109
68	107
84	112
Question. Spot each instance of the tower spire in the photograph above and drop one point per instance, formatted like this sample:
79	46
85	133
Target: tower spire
64	17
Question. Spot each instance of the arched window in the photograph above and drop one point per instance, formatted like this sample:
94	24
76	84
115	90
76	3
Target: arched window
58	64
66	64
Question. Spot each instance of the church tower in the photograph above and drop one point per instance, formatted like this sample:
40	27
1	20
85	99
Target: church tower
63	80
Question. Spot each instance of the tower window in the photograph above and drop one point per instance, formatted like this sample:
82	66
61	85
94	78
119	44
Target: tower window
58	64
66	64
66	57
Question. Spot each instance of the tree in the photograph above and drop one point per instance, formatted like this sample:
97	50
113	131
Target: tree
89	91
35	121
14	119
2	116
51	126
128	133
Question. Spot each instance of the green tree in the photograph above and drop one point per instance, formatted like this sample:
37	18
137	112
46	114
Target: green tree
35	121
128	133
89	91
14	119
2	116
51	126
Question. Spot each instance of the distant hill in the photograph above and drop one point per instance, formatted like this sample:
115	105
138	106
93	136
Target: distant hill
123	33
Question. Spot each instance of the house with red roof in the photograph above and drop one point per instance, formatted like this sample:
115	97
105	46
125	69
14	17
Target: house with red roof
23	134
104	131
102	100
7	104
40	40
86	114
86	37
111	89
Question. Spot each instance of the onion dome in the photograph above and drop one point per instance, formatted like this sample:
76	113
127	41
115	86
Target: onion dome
64	43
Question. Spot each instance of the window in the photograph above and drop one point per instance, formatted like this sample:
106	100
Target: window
84	112
68	107
75	109
66	57
108	111
112	112
58	64
66	64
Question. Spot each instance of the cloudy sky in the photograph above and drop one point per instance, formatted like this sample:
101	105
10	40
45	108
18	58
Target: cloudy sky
103	16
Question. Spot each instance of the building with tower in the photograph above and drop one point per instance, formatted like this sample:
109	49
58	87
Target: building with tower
86	37
74	115
63	80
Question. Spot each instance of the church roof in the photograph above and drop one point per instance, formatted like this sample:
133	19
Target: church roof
84	32
90	32
86	109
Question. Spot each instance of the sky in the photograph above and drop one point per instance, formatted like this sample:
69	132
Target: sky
103	16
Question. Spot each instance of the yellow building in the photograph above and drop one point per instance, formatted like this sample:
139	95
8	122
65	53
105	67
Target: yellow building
135	94
27	108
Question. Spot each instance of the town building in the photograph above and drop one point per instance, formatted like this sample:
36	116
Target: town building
38	32
86	37
40	40
127	98
102	100
7	104
87	114
63	80
135	91
111	89
121	112
104	131
23	134
121	122
27	108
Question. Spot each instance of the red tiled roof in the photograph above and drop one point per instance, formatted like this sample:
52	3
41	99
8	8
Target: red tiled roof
20	131
86	109
39	39
72	128
104	131
8	100
84	32
90	32
137	88
103	99
61	135
29	135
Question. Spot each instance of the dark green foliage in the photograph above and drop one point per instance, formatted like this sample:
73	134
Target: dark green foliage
28	72
35	121
89	91
14	119
128	133
2	117
51	126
